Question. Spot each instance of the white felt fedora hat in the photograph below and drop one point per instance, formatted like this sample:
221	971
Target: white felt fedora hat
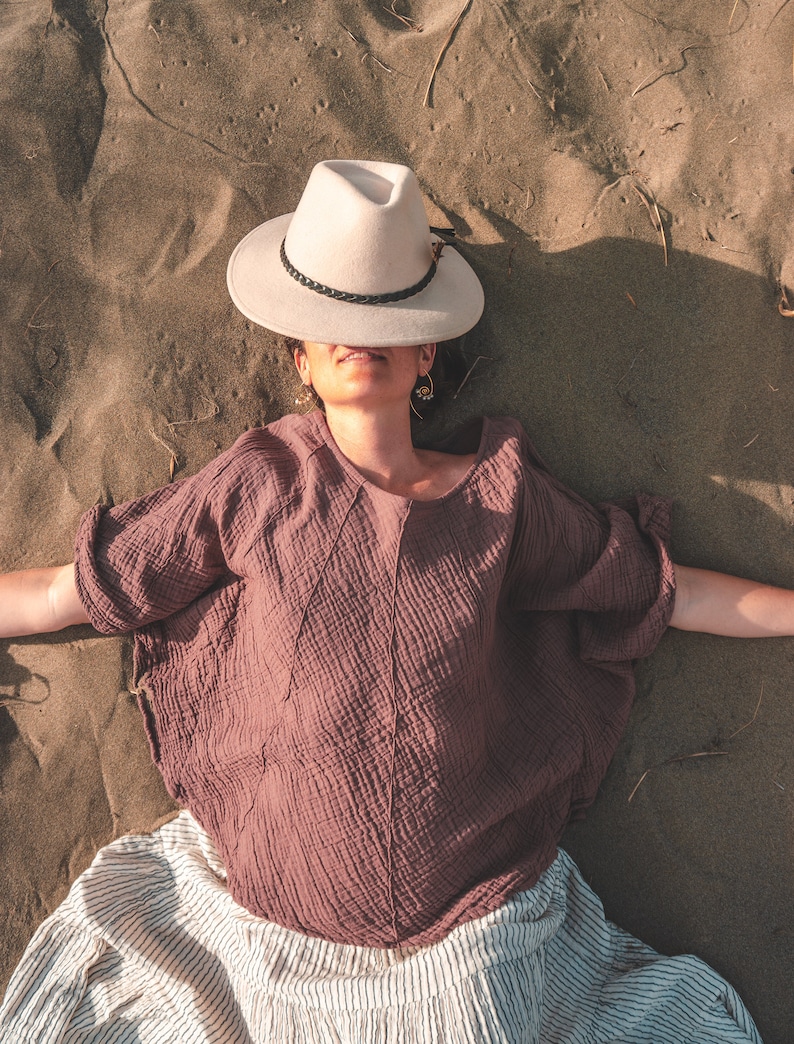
356	264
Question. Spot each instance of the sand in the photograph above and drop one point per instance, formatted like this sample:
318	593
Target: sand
620	175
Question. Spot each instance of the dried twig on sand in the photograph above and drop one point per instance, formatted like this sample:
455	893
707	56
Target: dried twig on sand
633	361
755	714
531	198
672	761
213	412
660	229
38	326
383	65
653	77
774	16
173	463
366	54
351	34
656	218
702	753
469	373
441	53
410	23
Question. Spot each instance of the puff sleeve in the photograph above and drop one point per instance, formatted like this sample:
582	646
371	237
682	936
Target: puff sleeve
609	564
143	560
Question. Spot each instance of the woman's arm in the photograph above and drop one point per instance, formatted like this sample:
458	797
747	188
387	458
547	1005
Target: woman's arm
720	604
35	601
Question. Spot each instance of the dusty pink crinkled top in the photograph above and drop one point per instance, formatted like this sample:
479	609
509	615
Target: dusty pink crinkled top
384	711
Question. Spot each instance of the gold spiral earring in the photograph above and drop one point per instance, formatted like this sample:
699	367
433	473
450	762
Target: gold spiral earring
423	392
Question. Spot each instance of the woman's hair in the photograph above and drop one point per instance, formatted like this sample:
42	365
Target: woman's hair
446	373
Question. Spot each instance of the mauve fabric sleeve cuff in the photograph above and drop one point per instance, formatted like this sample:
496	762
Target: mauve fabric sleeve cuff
98	598
634	633
141	561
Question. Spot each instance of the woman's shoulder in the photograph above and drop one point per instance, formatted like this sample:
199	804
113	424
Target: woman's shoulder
263	462
500	445
286	443
294	433
501	461
510	439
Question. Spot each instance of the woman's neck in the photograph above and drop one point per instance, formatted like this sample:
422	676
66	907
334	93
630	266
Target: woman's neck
379	445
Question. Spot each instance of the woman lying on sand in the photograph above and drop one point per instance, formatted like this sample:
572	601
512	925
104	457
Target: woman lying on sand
380	680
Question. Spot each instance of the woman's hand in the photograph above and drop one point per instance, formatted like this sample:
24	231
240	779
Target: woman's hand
720	604
36	601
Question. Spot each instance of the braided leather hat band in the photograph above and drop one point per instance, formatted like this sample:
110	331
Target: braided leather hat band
350	298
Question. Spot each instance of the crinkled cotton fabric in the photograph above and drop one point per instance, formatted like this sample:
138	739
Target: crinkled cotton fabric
384	711
150	948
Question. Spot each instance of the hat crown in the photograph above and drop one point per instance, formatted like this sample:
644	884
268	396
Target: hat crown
361	227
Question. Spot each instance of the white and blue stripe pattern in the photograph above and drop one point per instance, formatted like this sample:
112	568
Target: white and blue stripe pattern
150	948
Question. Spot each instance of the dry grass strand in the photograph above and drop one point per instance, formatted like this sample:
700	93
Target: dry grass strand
352	35
469	372
213	412
755	713
675	760
377	61
701	753
441	53
656	218
409	23
38	326
173	462
654	77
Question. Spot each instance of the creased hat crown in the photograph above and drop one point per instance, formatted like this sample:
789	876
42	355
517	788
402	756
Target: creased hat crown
361	227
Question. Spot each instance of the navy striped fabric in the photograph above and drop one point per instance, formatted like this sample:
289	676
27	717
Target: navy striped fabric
150	948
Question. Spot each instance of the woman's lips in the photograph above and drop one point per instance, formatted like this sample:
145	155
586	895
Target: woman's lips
364	354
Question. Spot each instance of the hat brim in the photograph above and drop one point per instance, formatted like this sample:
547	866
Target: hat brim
264	292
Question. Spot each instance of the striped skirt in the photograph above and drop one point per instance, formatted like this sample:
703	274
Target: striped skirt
150	947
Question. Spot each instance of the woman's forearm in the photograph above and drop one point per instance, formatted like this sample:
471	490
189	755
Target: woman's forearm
720	604
36	601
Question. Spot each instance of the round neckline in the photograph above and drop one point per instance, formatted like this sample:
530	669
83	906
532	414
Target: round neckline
352	471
